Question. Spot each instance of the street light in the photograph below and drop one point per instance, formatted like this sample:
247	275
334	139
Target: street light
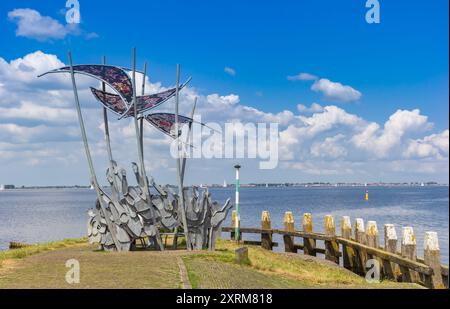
237	219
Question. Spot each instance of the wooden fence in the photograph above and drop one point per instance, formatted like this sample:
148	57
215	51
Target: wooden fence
356	248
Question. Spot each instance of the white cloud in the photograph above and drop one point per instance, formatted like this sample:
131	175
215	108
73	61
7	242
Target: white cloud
328	119
336	91
32	111
302	76
253	114
331	147
38	126
314	108
331	90
296	140
218	100
25	70
14	133
31	24
396	129
429	146
230	71
91	35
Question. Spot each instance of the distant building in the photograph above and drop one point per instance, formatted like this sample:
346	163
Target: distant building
4	187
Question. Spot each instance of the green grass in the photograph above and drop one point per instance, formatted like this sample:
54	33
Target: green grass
271	270
43	266
98	269
37	248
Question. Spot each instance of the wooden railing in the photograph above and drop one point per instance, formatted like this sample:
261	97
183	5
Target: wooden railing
357	248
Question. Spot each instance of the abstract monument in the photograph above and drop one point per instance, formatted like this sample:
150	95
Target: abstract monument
143	212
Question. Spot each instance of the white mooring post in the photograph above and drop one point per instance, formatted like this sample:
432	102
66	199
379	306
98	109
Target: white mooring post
409	252
331	247
309	244
348	253
361	255
266	237
289	245
432	258
391	270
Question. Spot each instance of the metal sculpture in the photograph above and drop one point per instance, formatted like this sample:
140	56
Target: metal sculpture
204	218
129	213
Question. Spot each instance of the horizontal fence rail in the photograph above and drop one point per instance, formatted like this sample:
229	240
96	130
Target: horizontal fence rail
357	248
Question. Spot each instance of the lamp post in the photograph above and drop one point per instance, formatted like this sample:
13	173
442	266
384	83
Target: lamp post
237	220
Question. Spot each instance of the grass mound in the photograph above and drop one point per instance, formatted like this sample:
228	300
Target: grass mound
37	248
43	266
271	270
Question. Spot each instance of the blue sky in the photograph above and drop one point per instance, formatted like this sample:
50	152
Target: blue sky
399	64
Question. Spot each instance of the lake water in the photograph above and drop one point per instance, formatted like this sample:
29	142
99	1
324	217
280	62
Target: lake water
52	214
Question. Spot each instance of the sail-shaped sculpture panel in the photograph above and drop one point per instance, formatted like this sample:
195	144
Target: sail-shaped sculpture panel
165	122
129	213
111	101
113	76
147	102
143	103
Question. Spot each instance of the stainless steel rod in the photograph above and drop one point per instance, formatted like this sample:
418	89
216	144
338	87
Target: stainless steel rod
105	120
88	155
183	166
81	122
140	156
178	163
141	120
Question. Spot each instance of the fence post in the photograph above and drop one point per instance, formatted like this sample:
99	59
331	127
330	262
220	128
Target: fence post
372	234
331	247
373	241
391	270
347	252
309	245
409	252
432	258
361	255
233	224
289	226
266	238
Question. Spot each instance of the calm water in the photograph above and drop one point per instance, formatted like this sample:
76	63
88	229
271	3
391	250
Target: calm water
42	215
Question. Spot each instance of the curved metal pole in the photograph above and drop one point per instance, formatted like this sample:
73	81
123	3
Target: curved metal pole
141	120
105	120
81	122
114	189
183	166
140	156
180	180
96	77
88	154
141	161
68	71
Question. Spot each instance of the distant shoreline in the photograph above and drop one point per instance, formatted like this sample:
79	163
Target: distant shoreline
263	185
